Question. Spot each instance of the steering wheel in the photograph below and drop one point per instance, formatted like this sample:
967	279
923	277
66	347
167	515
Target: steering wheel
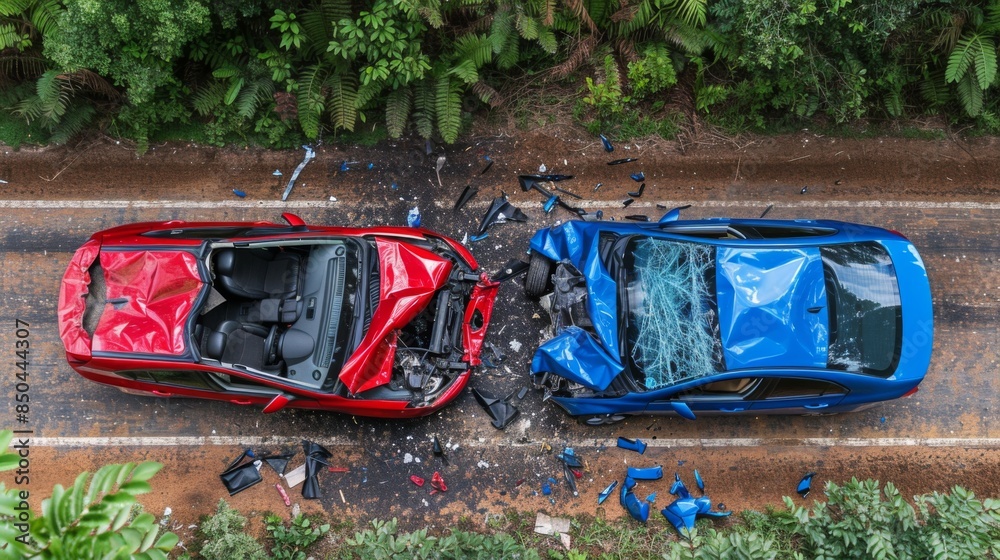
271	346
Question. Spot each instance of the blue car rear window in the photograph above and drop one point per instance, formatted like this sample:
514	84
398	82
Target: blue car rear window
672	328
864	308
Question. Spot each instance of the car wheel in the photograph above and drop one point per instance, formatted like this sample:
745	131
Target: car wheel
538	281
603	419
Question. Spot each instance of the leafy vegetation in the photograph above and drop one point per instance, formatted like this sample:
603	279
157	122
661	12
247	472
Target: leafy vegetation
225	536
281	73
291	541
96	517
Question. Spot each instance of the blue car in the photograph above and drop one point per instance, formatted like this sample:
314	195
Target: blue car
728	316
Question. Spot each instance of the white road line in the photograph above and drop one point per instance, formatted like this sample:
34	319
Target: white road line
305	204
259	441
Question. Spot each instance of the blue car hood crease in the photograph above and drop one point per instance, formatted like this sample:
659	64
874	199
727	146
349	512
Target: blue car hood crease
577	243
772	307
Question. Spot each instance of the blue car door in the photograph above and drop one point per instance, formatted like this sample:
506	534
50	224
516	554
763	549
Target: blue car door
797	395
728	396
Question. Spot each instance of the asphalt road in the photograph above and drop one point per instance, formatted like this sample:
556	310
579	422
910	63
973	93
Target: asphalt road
948	433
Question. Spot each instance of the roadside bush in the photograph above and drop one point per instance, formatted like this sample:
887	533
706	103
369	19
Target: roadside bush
96	517
861	520
383	542
290	542
225	538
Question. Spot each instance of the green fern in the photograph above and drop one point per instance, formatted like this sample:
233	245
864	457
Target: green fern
510	53
448	106
72	123
476	49
253	96
934	89
311	102
206	99
49	103
894	103
399	103
976	52
527	26
42	15
424	107
692	12
970	95
342	101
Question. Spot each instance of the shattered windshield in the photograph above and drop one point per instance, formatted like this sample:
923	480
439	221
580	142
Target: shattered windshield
672	323
864	308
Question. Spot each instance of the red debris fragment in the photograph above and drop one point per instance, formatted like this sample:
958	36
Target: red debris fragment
284	495
577	473
519	482
339	469
416	480
437	483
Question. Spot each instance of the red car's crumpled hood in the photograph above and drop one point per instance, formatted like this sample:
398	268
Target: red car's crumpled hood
409	276
149	296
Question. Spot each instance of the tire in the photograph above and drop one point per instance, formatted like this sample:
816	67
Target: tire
603	419
538	281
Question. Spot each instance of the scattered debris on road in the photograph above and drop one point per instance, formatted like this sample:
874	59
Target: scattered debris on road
636	445
310	154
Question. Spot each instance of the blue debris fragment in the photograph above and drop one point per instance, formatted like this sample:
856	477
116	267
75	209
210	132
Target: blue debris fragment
239	193
394	186
651	498
648	473
699	481
623	160
608	147
639	511
550	203
475	238
343	166
546	489
683	511
805	485
413	217
606	492
569	457
370	166
636	445
638	177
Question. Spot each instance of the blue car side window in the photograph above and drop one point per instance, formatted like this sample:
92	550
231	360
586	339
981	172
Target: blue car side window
737	389
797	387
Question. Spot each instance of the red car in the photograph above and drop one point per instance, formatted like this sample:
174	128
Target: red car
383	322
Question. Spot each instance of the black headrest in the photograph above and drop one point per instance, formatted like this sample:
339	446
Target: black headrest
225	261
216	344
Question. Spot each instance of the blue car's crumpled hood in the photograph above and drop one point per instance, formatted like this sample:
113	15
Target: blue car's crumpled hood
576	356
772	307
577	243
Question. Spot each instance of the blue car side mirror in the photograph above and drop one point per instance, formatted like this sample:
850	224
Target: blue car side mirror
673	215
683	410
